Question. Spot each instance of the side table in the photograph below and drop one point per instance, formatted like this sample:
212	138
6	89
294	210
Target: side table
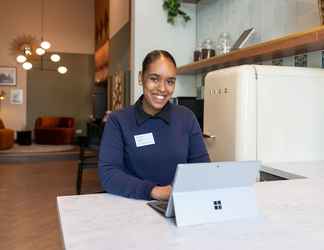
24	137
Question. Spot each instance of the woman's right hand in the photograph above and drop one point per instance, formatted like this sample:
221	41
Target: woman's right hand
161	192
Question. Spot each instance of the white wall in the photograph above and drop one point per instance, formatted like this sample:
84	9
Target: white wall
118	15
271	18
69	26
150	31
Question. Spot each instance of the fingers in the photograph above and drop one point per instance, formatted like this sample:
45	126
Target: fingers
161	192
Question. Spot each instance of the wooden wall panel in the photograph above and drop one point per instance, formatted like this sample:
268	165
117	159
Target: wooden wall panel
101	22
321	10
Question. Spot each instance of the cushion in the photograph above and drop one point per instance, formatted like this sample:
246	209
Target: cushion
49	122
65	122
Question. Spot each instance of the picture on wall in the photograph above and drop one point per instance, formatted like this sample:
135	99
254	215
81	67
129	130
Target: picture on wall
8	76
118	83
16	96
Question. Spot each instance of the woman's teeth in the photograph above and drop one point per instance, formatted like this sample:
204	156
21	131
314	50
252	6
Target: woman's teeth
160	97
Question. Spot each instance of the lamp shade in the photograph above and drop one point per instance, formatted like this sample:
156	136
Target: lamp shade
40	51
55	58
45	45
27	65
21	59
62	69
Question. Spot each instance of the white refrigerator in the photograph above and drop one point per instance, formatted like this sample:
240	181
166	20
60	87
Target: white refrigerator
267	113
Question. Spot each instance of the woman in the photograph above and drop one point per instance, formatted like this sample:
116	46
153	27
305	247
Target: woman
142	144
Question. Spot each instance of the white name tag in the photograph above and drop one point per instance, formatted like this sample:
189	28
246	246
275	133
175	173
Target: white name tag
144	140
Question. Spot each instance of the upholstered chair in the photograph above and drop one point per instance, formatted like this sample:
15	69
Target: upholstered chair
6	136
54	130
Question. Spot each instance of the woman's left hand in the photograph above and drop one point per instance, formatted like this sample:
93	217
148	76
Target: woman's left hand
161	192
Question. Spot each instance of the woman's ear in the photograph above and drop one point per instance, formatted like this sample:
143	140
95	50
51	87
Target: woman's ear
140	82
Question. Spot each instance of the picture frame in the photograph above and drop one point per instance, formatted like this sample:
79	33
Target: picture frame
16	96
118	86
8	76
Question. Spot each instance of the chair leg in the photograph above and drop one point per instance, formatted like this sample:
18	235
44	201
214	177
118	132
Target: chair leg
79	179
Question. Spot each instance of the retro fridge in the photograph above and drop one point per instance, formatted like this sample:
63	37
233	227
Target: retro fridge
267	113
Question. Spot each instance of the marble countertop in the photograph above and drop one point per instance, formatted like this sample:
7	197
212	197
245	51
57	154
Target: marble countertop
292	218
295	170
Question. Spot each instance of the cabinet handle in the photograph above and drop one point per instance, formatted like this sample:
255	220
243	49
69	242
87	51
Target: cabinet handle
209	136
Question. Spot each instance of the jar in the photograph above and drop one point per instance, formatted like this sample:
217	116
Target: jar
197	54
224	43
207	49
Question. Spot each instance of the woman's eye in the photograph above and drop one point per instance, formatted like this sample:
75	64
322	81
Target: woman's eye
171	82
154	79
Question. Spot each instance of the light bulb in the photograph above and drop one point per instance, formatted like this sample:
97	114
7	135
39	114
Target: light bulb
40	51
21	59
45	45
62	69
55	58
28	51
27	65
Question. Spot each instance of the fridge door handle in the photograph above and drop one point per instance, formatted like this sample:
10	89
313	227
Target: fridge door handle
209	136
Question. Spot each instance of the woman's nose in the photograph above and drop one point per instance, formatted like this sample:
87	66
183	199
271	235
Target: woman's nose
161	86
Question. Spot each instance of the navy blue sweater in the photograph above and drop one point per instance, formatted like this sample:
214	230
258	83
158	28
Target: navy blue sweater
132	171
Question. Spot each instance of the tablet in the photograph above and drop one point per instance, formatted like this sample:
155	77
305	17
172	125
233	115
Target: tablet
244	37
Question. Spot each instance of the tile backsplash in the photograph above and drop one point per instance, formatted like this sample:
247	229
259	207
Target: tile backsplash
278	62
311	60
301	60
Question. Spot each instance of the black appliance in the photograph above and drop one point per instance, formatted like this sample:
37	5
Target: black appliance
194	104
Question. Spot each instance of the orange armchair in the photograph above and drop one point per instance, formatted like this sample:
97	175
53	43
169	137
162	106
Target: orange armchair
6	137
54	130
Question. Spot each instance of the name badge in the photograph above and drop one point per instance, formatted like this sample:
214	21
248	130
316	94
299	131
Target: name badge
144	140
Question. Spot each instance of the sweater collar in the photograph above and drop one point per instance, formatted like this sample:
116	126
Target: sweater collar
141	116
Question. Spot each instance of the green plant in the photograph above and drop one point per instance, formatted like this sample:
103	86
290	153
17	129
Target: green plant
173	9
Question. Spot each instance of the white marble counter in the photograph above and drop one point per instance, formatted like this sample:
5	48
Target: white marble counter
293	170
292	218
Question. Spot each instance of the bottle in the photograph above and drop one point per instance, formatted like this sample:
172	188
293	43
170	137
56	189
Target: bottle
197	54
207	49
224	43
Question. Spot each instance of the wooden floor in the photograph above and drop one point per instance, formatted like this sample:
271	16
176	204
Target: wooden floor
28	191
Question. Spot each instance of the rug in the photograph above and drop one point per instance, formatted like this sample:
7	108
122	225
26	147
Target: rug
38	149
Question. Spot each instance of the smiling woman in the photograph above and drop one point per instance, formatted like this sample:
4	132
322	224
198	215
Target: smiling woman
142	144
158	77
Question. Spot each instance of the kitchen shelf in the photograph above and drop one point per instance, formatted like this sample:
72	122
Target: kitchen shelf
293	44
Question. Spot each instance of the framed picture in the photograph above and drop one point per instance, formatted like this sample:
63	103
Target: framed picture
8	76
109	93
118	83
16	96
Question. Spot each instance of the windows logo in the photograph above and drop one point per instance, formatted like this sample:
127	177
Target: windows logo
217	205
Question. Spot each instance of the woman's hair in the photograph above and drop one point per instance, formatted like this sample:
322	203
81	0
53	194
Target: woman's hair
153	56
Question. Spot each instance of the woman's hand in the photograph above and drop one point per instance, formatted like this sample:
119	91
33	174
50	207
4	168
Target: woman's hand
161	192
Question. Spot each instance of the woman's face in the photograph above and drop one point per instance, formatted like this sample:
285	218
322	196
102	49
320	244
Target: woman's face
158	85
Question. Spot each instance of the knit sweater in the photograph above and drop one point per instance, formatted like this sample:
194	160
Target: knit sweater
139	151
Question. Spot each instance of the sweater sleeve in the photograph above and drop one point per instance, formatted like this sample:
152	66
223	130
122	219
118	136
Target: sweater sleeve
112	170
197	147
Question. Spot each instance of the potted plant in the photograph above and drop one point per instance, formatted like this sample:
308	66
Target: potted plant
173	9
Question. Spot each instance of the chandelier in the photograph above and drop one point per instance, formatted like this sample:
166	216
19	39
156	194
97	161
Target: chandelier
29	50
